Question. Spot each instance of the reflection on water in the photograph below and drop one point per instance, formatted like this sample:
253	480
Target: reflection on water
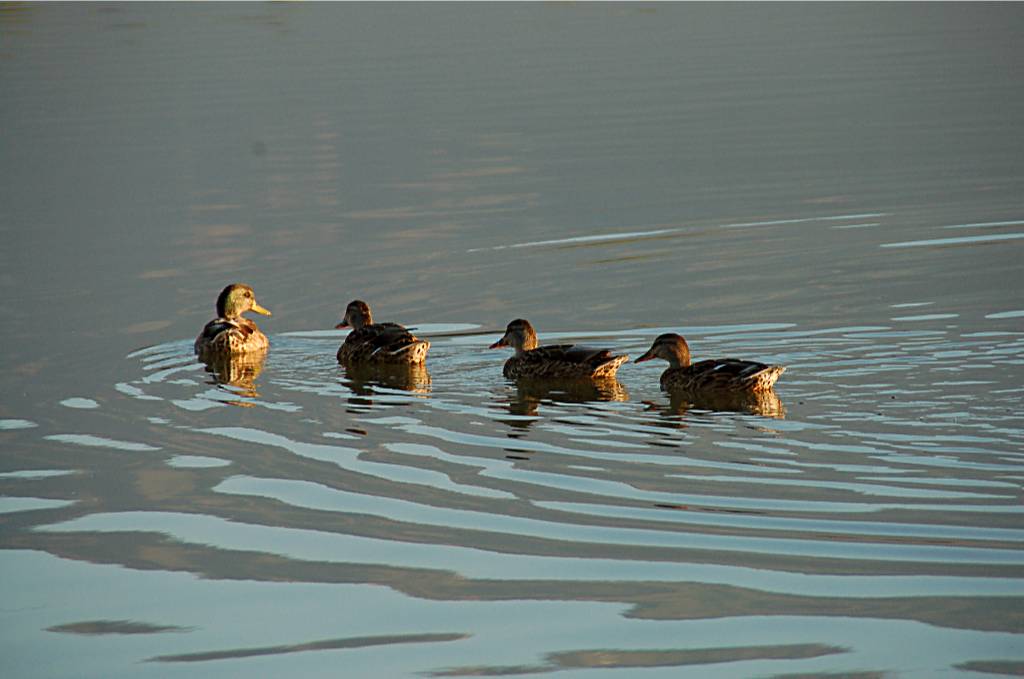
764	403
879	499
237	370
832	188
364	379
530	393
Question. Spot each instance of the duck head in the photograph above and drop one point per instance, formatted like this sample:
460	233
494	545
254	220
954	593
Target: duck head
236	299
519	335
357	314
669	347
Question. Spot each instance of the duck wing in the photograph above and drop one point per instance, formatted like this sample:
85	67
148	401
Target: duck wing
383	343
221	334
214	328
583	355
724	374
565	361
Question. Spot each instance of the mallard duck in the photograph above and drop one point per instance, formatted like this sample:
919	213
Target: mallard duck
380	343
712	375
230	333
560	361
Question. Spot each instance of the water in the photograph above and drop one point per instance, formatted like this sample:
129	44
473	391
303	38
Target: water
833	188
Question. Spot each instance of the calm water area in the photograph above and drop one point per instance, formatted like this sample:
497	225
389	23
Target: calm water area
838	188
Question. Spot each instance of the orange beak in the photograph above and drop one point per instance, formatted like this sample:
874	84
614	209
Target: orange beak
341	326
499	344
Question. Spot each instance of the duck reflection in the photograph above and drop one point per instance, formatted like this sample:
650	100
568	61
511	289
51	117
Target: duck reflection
236	370
530	392
362	379
763	403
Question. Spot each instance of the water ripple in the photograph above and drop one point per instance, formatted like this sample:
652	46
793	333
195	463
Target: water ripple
889	477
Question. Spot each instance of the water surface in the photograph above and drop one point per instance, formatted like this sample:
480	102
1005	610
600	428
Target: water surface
834	188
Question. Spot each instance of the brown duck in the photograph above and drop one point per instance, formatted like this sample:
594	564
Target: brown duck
378	343
712	375
557	361
230	333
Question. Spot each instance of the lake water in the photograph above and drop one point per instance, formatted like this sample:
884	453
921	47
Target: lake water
837	188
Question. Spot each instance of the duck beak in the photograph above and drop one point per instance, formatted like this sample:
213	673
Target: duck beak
647	356
499	344
260	310
342	326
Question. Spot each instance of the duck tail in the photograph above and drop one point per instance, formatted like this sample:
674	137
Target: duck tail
765	379
609	366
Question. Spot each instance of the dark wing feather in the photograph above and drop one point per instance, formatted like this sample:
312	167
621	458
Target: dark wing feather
722	374
563	361
388	327
572	353
389	337
588	355
383	343
216	327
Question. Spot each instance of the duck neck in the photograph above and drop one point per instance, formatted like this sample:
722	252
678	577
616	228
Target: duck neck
360	320
679	358
223	311
529	343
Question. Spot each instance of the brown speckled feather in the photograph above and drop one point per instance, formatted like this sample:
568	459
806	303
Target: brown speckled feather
564	361
722	374
230	336
709	376
558	361
383	343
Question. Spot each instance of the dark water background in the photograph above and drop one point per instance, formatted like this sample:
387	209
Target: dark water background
838	188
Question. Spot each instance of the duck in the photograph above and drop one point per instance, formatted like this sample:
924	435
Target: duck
378	343
230	333
716	375
558	361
